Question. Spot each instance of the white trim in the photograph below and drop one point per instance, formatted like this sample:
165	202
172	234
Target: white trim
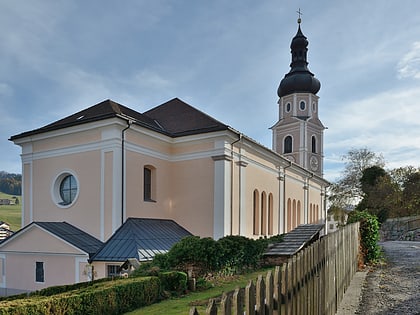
77	262
3	271
116	190
221	212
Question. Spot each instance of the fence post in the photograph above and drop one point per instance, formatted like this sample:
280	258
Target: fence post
277	290
193	311
260	303
250	299
225	305
211	308
238	302
269	293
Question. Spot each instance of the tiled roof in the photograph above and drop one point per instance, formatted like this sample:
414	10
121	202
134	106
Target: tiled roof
141	239
179	119
72	235
173	118
295	240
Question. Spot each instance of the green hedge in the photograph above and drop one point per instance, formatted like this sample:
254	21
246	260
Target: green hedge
112	297
369	233
173	281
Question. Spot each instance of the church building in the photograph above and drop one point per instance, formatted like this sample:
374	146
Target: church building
109	183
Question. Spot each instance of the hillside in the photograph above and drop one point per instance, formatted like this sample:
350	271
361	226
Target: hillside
10	183
11	213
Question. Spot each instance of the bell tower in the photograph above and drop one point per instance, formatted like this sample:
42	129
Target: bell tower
298	135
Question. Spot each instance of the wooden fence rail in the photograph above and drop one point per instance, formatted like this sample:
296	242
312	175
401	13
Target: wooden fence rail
311	282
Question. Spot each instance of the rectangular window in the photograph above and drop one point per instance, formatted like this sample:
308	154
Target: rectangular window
147	184
112	271
39	271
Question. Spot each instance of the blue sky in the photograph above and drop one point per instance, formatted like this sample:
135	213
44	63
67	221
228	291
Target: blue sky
225	58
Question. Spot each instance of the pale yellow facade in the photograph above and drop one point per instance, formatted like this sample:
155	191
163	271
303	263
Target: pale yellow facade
213	184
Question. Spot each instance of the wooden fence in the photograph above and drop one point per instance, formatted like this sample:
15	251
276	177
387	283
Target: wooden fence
311	282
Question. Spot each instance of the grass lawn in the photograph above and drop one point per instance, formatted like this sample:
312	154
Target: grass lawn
181	306
11	213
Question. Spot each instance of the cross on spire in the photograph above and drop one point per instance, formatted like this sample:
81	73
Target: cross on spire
300	14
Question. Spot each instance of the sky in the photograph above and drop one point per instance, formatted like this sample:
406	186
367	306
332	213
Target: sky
224	57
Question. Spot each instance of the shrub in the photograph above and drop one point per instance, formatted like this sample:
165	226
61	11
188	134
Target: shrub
193	250
369	233
174	281
112	297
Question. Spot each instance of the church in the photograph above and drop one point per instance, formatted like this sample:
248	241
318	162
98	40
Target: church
109	183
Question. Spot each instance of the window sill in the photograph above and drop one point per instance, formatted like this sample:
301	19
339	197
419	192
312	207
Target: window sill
149	200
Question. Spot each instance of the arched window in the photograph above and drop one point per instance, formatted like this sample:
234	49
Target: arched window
288	145
256	213
149	183
264	213
298	214
294	215
313	144
270	214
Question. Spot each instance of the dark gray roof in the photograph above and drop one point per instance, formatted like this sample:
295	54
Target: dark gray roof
174	118
295	240
142	239
72	235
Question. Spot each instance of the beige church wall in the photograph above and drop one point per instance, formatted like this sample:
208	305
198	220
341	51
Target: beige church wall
265	180
36	240
67	140
136	206
20	271
147	139
192	195
85	211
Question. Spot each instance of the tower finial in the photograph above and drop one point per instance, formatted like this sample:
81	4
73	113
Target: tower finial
300	14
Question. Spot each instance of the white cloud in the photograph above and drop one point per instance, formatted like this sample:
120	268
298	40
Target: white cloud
409	65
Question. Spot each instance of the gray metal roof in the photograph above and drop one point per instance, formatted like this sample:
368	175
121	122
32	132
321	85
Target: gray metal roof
295	240
141	238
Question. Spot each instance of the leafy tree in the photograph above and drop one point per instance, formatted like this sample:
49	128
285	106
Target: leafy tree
347	190
411	195
381	196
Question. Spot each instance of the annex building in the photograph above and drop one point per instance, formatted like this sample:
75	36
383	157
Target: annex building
109	183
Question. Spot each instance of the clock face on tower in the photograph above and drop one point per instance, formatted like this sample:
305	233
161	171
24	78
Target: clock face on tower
314	163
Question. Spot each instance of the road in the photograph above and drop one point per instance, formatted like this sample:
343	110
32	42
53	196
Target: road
394	287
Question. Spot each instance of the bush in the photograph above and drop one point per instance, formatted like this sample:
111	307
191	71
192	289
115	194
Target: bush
174	281
369	232
196	251
112	297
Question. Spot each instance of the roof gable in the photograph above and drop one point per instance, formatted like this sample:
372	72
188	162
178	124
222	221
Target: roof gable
33	238
179	119
142	239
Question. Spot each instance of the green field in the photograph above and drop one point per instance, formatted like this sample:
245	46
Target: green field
11	213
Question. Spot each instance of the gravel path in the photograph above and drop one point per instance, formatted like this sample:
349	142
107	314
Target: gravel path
394	287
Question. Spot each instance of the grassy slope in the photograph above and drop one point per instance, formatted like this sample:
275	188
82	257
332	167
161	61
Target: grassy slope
181	306
11	214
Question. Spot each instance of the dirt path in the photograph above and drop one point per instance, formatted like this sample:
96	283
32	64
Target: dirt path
394	288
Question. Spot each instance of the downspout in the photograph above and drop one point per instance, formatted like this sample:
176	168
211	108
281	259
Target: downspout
306	198
129	123
231	182
284	195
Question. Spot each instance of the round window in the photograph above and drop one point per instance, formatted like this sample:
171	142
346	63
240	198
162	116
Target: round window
302	105
65	189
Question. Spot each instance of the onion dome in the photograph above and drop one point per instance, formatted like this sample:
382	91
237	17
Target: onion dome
299	78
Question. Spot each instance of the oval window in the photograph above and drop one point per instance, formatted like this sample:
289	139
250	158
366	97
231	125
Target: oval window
65	189
302	105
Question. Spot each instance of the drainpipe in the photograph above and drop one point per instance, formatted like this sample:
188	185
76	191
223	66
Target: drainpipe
231	182
284	196
129	123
